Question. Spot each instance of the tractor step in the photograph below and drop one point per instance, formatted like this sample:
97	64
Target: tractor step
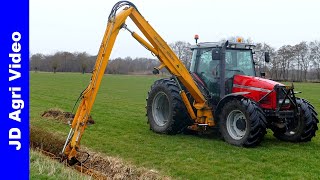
202	124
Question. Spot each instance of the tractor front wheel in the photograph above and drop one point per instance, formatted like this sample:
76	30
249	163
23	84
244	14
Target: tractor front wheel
301	128
242	123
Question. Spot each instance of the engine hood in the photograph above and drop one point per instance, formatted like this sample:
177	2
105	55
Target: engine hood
254	83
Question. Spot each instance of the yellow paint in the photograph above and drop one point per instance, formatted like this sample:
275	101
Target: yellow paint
158	47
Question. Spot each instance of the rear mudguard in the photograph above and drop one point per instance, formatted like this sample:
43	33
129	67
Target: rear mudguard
226	98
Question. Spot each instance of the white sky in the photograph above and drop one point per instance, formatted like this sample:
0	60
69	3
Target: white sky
78	25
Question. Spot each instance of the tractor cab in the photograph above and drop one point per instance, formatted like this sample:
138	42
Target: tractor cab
216	64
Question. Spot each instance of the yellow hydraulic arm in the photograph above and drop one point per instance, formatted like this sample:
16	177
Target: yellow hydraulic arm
159	48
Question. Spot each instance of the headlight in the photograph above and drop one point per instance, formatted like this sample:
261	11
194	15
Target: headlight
287	101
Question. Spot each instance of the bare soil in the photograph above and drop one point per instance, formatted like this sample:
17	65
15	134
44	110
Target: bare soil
99	165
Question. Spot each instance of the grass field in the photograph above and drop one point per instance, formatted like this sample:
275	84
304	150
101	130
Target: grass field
42	167
121	130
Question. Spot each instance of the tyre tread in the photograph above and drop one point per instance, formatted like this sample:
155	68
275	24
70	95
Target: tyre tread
258	121
310	124
180	118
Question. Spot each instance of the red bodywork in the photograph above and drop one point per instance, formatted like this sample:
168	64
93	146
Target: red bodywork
257	88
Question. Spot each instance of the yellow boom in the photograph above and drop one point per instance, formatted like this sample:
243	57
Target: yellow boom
159	48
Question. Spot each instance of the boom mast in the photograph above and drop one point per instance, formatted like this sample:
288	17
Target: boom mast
159	48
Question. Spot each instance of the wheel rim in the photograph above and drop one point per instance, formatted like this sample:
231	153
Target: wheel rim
236	124
160	109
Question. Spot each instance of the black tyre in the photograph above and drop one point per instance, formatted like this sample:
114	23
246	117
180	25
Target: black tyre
300	129
165	110
242	123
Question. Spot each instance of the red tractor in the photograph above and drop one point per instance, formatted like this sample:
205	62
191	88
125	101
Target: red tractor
244	105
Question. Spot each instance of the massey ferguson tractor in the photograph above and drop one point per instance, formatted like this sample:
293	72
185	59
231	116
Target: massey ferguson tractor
244	105
220	91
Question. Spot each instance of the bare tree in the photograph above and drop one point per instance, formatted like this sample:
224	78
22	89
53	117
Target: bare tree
315	56
305	61
183	51
35	61
55	60
54	66
83	58
260	50
300	52
284	56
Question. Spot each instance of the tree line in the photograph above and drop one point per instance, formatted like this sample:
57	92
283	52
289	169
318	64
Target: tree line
300	62
84	63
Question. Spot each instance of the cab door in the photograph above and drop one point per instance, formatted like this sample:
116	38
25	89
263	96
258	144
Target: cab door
207	69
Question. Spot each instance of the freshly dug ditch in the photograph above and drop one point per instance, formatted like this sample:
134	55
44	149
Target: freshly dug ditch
98	165
60	115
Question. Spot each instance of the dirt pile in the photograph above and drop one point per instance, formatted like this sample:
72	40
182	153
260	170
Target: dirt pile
99	165
60	115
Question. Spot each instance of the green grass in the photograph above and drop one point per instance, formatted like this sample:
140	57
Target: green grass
121	130
42	167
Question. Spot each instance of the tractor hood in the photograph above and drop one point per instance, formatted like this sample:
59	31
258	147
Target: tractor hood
254	83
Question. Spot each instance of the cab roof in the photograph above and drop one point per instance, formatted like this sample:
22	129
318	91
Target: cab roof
235	45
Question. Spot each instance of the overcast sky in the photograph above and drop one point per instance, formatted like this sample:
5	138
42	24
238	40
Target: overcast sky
78	25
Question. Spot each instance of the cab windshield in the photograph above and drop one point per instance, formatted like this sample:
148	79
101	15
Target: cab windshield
239	62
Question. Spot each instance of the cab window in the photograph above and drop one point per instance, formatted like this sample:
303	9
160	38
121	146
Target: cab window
204	60
239	62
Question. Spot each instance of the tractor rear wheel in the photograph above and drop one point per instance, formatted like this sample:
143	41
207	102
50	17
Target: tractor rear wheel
166	111
242	123
300	129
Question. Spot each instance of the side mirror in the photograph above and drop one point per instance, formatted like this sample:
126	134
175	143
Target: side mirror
266	57
262	74
215	54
